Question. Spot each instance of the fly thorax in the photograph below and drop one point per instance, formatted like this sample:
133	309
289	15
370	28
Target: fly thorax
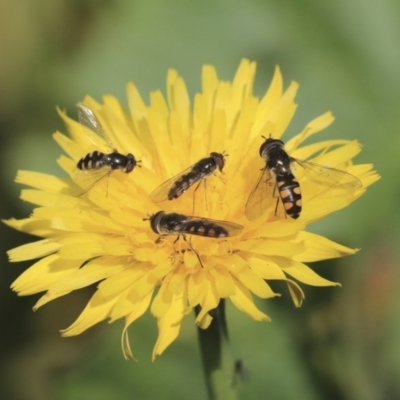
205	166
117	161
210	167
173	222
282	169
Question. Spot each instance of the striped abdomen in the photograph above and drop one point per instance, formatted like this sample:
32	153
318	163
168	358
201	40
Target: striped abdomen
93	160
97	160
205	228
290	194
180	224
184	183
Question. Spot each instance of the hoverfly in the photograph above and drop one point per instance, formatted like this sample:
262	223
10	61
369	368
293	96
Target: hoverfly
278	181
178	224
179	184
97	163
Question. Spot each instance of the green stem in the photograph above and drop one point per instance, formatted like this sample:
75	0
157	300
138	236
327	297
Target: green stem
217	357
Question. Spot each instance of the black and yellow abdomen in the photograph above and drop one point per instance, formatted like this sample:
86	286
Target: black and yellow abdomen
290	194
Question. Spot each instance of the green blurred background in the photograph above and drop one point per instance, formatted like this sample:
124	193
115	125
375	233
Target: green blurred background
344	343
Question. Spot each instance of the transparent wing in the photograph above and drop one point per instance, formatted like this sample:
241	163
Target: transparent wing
231	227
261	196
85	180
161	193
88	118
327	176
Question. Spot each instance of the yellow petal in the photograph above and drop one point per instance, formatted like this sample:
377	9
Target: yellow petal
315	126
169	326
177	282
132	306
46	199
242	85
210	298
30	251
190	259
304	274
340	155
243	300
271	247
254	283
224	284
295	292
278	229
123	279
41	181
90	246
319	248
209	82
323	205
120	131
90	273
86	138
73	149
243	123
137	312
50	269
282	114
219	130
272	96
136	105
163	299
196	282
201	121
265	268
97	310
305	152
179	102
205	322
83	250
31	225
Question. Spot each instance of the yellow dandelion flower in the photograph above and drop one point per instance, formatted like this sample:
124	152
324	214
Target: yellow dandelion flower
104	225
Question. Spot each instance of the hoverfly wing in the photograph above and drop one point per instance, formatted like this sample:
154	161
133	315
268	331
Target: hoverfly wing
88	119
231	228
260	197
328	176
86	180
210	227
175	186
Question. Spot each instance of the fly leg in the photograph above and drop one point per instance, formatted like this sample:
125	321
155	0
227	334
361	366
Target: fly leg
277	197
161	239
194	251
194	194
179	250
